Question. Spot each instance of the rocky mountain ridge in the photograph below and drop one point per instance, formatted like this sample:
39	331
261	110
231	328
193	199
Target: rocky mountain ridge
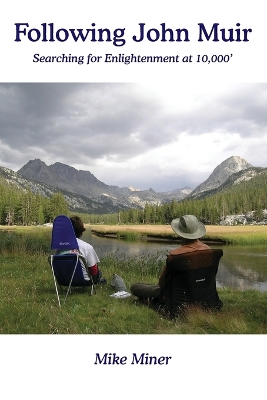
85	193
235	179
84	183
82	190
75	202
219	176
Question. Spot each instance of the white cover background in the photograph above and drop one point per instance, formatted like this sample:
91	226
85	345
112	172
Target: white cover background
204	367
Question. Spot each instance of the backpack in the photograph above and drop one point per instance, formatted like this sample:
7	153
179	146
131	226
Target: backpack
118	284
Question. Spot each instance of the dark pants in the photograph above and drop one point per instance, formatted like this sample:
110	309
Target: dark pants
146	290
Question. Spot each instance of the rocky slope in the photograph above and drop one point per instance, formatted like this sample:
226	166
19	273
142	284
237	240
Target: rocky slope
85	193
76	202
84	183
219	176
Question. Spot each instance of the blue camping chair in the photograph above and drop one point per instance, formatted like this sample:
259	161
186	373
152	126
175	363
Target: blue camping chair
67	265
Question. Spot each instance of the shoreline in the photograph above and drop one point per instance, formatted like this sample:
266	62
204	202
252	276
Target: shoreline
217	234
154	238
238	234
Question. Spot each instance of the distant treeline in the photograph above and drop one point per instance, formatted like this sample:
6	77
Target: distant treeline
238	199
25	208
19	207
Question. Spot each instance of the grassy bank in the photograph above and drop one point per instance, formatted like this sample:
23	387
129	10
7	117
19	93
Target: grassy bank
255	234
242	235
28	303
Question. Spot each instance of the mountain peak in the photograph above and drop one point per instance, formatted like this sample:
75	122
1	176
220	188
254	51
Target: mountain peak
35	170
36	163
220	174
133	189
236	162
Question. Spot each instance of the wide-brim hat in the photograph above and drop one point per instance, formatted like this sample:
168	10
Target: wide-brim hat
188	227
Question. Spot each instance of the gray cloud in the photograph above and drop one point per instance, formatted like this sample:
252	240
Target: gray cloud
82	124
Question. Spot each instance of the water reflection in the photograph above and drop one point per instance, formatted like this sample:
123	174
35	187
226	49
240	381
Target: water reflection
240	267
243	268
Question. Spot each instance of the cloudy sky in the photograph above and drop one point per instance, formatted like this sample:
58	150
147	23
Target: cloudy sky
161	135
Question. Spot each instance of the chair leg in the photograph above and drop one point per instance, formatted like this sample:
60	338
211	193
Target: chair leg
93	289
56	289
55	282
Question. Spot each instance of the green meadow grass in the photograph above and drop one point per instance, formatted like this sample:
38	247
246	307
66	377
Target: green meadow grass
28	303
236	235
129	236
253	238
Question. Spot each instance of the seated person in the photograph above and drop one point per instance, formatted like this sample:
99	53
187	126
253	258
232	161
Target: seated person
190	230
87	251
